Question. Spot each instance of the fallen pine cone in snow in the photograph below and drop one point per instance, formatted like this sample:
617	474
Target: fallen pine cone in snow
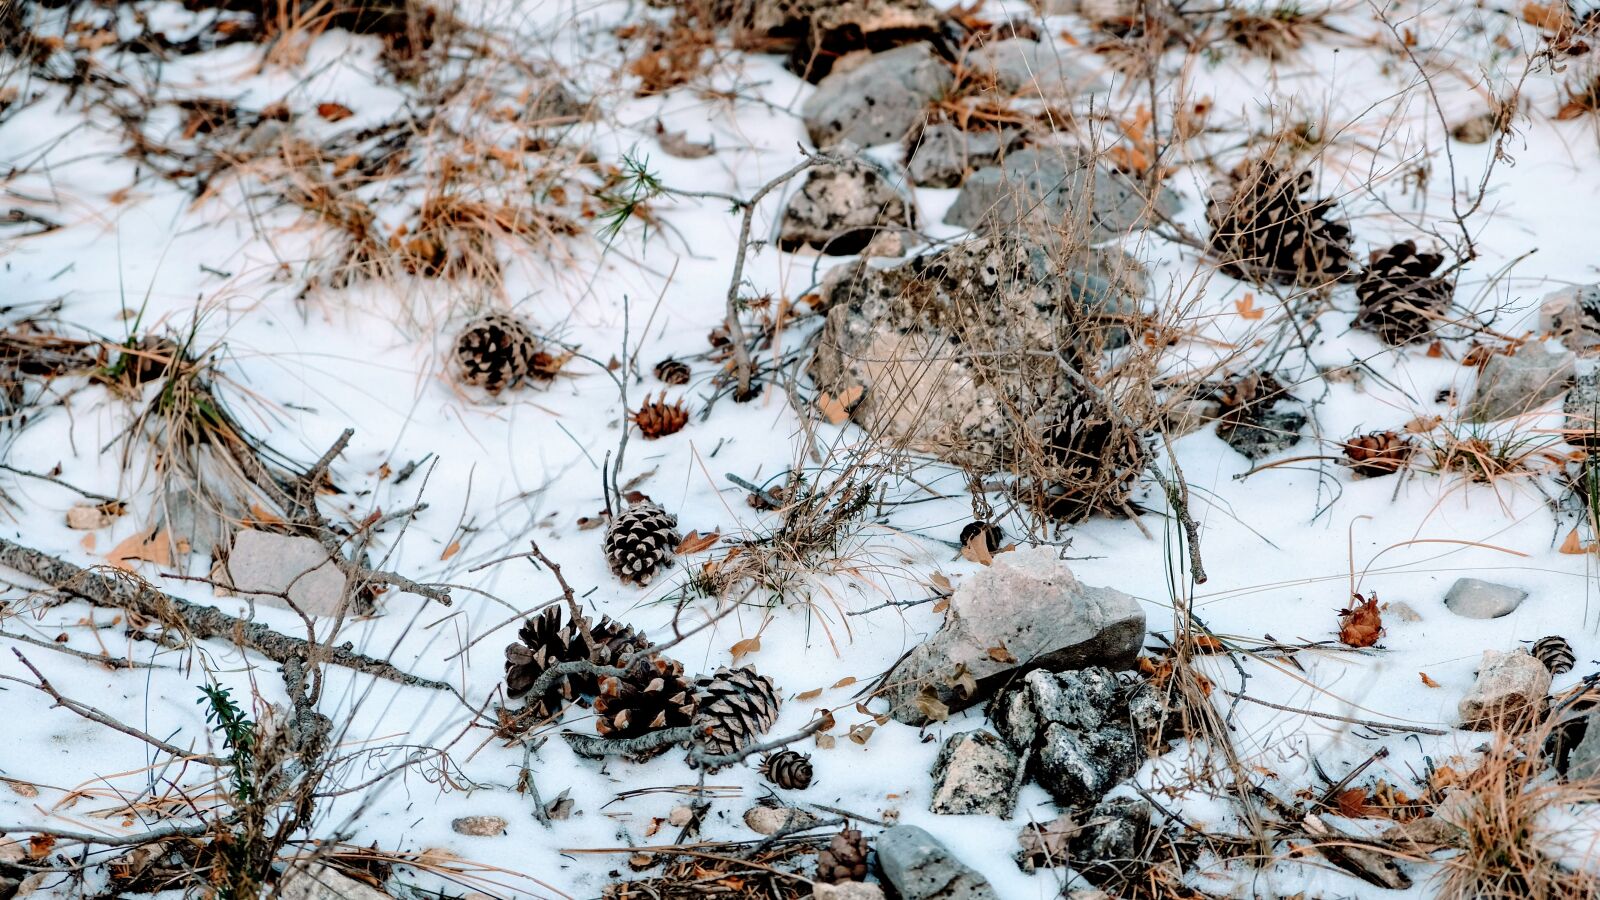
1378	453
1361	624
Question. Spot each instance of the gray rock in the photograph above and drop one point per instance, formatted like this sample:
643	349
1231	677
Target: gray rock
318	882
921	868
1511	691
1055	189
1515	385
1112	849
879	101
771	818
839	211
899	338
943	155
1477	599
1075	727
1572	314
830	32
1273	432
850	890
1401	611
1583	762
976	773
479	826
264	565
1582	408
1033	70
1030	604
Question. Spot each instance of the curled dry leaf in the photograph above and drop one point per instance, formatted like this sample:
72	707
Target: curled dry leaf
334	112
1361	624
696	542
1428	681
745	647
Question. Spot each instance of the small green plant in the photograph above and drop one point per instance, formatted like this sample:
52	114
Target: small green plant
627	195
238	735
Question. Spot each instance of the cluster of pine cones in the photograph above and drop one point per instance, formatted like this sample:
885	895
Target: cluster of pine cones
724	712
1265	229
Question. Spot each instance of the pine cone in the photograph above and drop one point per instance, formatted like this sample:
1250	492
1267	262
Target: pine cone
993	536
844	859
788	769
1400	300
1262	229
1378	453
1555	653
658	418
496	351
736	707
652	695
640	540
672	371
545	640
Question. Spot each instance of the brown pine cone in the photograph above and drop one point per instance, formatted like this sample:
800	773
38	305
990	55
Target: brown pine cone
737	706
672	371
658	418
1556	654
844	859
1263	229
652	696
545	640
788	769
1378	453
495	351
1400	299
640	541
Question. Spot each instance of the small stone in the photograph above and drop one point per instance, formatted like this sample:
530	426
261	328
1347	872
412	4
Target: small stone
1511	691
1033	70
1572	315
1401	611
1582	408
264	565
767	819
1583	762
921	868
1077	726
479	826
1112	848
1055	188
1478	599
89	518
943	155
1029	603
680	815
878	101
1516	385
850	890
840	211
1275	431
319	882
975	774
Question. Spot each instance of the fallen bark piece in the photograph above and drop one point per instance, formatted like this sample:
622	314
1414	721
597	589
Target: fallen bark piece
921	868
1028	605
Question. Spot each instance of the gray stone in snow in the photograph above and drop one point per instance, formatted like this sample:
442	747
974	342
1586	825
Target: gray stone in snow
849	890
1572	314
921	868
976	774
318	882
263	565
1030	604
1077	729
1032	69
839	211
1583	763
1511	690
1112	848
1055	188
1514	385
1478	599
1582	408
879	101
942	155
1275	431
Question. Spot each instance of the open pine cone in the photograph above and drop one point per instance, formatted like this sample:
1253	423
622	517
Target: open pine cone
1400	299
1377	453
496	351
788	769
658	418
844	859
672	371
652	696
736	707
545	640
1262	229
640	541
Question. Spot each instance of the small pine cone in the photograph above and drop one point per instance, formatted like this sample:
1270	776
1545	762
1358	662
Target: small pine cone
1378	453
844	859
736	707
993	536
788	769
545	640
672	371
495	351
1555	653
1263	229
653	695
640	541
658	418
1400	300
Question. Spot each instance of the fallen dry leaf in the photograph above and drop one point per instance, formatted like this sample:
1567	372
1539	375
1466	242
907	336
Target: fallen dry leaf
1353	804
1428	681
976	549
812	694
334	112
696	542
147	545
452	550
745	647
1574	546
836	409
1246	308
1361	624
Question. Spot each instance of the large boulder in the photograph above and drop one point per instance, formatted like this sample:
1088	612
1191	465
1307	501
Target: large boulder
878	101
921	868
847	210
1025	612
963	353
1057	189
